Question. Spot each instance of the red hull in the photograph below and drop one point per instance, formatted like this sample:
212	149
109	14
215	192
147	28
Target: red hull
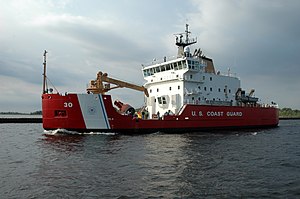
89	112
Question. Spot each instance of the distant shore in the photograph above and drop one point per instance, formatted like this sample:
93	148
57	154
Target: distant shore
20	113
289	118
21	120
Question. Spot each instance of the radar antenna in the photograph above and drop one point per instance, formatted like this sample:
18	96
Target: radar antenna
188	41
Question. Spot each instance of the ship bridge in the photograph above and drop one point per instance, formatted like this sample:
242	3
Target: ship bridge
188	78
175	64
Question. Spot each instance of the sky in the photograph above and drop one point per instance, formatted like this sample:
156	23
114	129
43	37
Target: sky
259	40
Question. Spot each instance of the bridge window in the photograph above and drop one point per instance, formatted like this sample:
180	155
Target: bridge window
184	64
210	78
151	71
179	65
172	66
189	63
210	89
175	66
194	65
148	72
157	69
168	67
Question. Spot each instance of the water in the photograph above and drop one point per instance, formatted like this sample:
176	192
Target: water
240	164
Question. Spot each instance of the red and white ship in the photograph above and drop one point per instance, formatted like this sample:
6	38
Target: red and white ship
182	94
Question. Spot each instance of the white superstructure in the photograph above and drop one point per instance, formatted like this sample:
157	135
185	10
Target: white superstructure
189	79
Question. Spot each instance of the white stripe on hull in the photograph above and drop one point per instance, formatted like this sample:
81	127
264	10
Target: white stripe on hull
93	111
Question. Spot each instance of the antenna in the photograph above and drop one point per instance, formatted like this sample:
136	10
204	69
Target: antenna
186	42
45	90
187	33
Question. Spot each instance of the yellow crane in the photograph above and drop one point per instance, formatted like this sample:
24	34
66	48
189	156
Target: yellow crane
99	87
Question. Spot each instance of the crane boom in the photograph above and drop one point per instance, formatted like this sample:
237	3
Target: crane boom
97	86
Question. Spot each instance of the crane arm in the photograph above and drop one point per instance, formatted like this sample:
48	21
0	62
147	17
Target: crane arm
96	86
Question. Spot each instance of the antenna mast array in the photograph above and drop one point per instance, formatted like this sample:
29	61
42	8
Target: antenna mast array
45	89
182	43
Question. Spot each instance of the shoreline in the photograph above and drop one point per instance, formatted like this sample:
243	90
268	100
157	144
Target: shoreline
21	120
289	118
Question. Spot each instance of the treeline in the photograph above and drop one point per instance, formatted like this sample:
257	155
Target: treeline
36	113
18	113
288	112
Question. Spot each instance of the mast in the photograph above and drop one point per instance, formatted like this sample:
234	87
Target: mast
44	74
187	32
186	42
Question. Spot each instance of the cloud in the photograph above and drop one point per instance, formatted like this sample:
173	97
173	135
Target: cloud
19	93
95	43
257	39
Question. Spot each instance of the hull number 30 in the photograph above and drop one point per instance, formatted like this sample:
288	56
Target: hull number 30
68	104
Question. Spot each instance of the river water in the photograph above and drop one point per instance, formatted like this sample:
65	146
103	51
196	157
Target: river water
257	163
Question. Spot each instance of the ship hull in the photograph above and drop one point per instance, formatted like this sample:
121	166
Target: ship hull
95	113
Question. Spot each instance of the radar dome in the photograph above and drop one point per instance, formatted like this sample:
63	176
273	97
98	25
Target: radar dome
186	49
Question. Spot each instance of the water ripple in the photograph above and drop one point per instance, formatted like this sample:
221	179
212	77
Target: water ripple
239	164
